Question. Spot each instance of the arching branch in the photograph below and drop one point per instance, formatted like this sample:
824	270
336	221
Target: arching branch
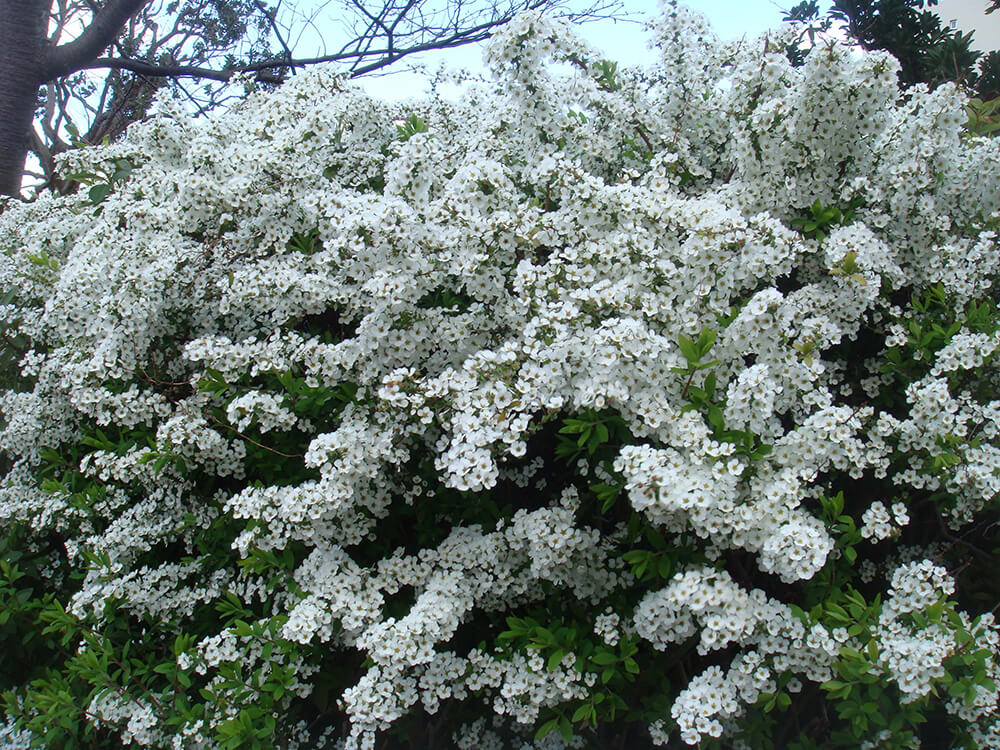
99	34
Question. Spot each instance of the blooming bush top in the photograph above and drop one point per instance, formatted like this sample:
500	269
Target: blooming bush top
558	406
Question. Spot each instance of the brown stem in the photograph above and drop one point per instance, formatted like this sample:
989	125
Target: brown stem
687	385
251	440
645	138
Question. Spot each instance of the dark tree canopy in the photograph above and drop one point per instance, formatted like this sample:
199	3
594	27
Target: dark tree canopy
928	51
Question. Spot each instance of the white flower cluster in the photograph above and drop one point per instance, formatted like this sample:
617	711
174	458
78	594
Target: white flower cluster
708	602
915	657
761	516
877	524
915	653
469	569
138	719
476	735
15	738
606	626
263	409
548	248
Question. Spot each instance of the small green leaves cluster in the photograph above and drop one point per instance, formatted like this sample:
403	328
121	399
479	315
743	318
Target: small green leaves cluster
589	432
931	322
984	117
870	704
649	565
616	667
101	183
704	398
817	223
445	298
305	400
607	76
844	529
263	692
694	351
307	243
410	127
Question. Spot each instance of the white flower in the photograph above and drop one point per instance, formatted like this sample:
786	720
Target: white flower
440	307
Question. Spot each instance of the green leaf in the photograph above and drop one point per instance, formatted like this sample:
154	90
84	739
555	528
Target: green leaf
572	426
706	339
123	169
565	728
715	418
555	659
956	689
544	635
517	625
688	348
608	494
546	729
837	613
710	385
98	193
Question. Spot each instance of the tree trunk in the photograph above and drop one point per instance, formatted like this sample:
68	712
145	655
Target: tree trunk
22	55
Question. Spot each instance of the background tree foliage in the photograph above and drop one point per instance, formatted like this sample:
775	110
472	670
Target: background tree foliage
928	52
85	108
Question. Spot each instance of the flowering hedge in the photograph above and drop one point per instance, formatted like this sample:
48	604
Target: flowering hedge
604	407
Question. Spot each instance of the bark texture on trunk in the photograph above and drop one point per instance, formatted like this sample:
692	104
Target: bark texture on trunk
22	62
27	61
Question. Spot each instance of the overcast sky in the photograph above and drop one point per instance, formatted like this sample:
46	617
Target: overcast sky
626	43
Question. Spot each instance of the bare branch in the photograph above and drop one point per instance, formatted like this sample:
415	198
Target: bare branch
200	109
268	71
274	27
98	35
213	40
193	71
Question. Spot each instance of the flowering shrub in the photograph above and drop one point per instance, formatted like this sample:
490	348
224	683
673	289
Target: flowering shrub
604	407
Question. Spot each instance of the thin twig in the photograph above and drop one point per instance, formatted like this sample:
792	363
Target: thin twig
251	440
